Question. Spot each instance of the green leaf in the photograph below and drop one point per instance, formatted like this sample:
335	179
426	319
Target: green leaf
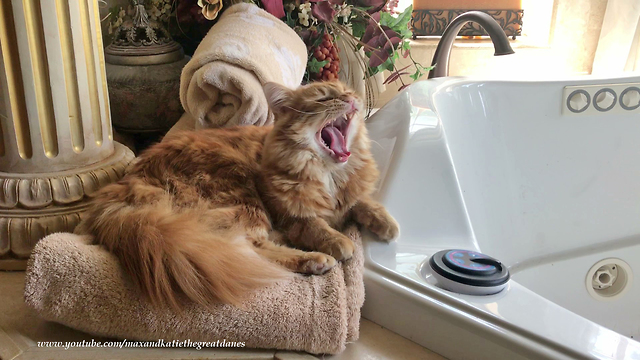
314	66
416	75
386	19
358	28
363	8
398	24
403	19
405	33
406	45
390	66
290	21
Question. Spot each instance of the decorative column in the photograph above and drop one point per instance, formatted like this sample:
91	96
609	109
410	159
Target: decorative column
56	142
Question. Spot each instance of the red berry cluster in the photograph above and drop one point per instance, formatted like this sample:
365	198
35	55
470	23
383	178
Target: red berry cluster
329	52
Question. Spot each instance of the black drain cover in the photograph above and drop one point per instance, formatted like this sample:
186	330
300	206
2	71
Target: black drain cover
469	268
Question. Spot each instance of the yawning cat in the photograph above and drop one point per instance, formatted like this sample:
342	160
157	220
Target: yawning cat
213	214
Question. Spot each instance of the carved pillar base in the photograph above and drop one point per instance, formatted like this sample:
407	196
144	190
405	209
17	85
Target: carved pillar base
35	205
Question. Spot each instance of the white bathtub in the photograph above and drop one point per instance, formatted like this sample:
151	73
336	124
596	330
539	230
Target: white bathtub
502	167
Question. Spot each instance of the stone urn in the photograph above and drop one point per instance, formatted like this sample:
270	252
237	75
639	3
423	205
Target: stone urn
143	67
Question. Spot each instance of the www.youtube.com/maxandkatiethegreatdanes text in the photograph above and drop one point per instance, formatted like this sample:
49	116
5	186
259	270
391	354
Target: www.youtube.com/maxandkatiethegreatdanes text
160	343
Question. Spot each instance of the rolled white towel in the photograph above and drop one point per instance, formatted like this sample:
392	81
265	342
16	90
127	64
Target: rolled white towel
222	83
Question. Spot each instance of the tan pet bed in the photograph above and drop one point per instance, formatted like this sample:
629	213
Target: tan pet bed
80	285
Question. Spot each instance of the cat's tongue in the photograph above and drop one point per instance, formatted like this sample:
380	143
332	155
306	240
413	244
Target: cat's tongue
337	143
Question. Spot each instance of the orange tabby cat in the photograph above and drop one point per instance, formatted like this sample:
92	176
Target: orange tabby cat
213	214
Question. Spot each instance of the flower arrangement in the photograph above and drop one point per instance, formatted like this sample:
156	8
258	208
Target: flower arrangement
373	30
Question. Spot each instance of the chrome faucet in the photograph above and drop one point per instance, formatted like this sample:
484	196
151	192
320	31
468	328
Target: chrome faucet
443	51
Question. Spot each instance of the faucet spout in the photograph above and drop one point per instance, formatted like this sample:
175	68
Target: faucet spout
443	51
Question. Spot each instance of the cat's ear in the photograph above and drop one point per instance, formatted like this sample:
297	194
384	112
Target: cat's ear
277	95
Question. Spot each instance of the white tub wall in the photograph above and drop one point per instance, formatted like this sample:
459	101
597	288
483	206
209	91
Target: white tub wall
507	172
489	134
435	327
396	150
563	280
536	182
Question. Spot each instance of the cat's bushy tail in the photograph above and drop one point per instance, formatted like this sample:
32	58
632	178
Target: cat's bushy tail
168	251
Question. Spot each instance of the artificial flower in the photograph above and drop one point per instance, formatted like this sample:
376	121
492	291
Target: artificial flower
305	8
274	7
304	19
323	11
345	12
210	8
381	39
304	15
373	28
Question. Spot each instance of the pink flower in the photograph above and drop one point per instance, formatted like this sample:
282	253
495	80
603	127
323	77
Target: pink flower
274	7
323	11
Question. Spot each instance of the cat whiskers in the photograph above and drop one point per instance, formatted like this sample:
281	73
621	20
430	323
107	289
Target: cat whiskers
320	103
377	143
304	112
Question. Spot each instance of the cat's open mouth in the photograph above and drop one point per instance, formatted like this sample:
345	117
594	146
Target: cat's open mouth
333	137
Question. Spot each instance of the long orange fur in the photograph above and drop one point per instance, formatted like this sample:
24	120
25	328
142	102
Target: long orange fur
215	214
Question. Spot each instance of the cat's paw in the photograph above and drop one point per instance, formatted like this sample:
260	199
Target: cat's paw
316	263
339	246
381	223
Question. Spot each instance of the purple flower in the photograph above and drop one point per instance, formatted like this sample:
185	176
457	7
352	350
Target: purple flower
380	40
372	27
274	7
378	57
305	35
391	43
323	11
384	48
